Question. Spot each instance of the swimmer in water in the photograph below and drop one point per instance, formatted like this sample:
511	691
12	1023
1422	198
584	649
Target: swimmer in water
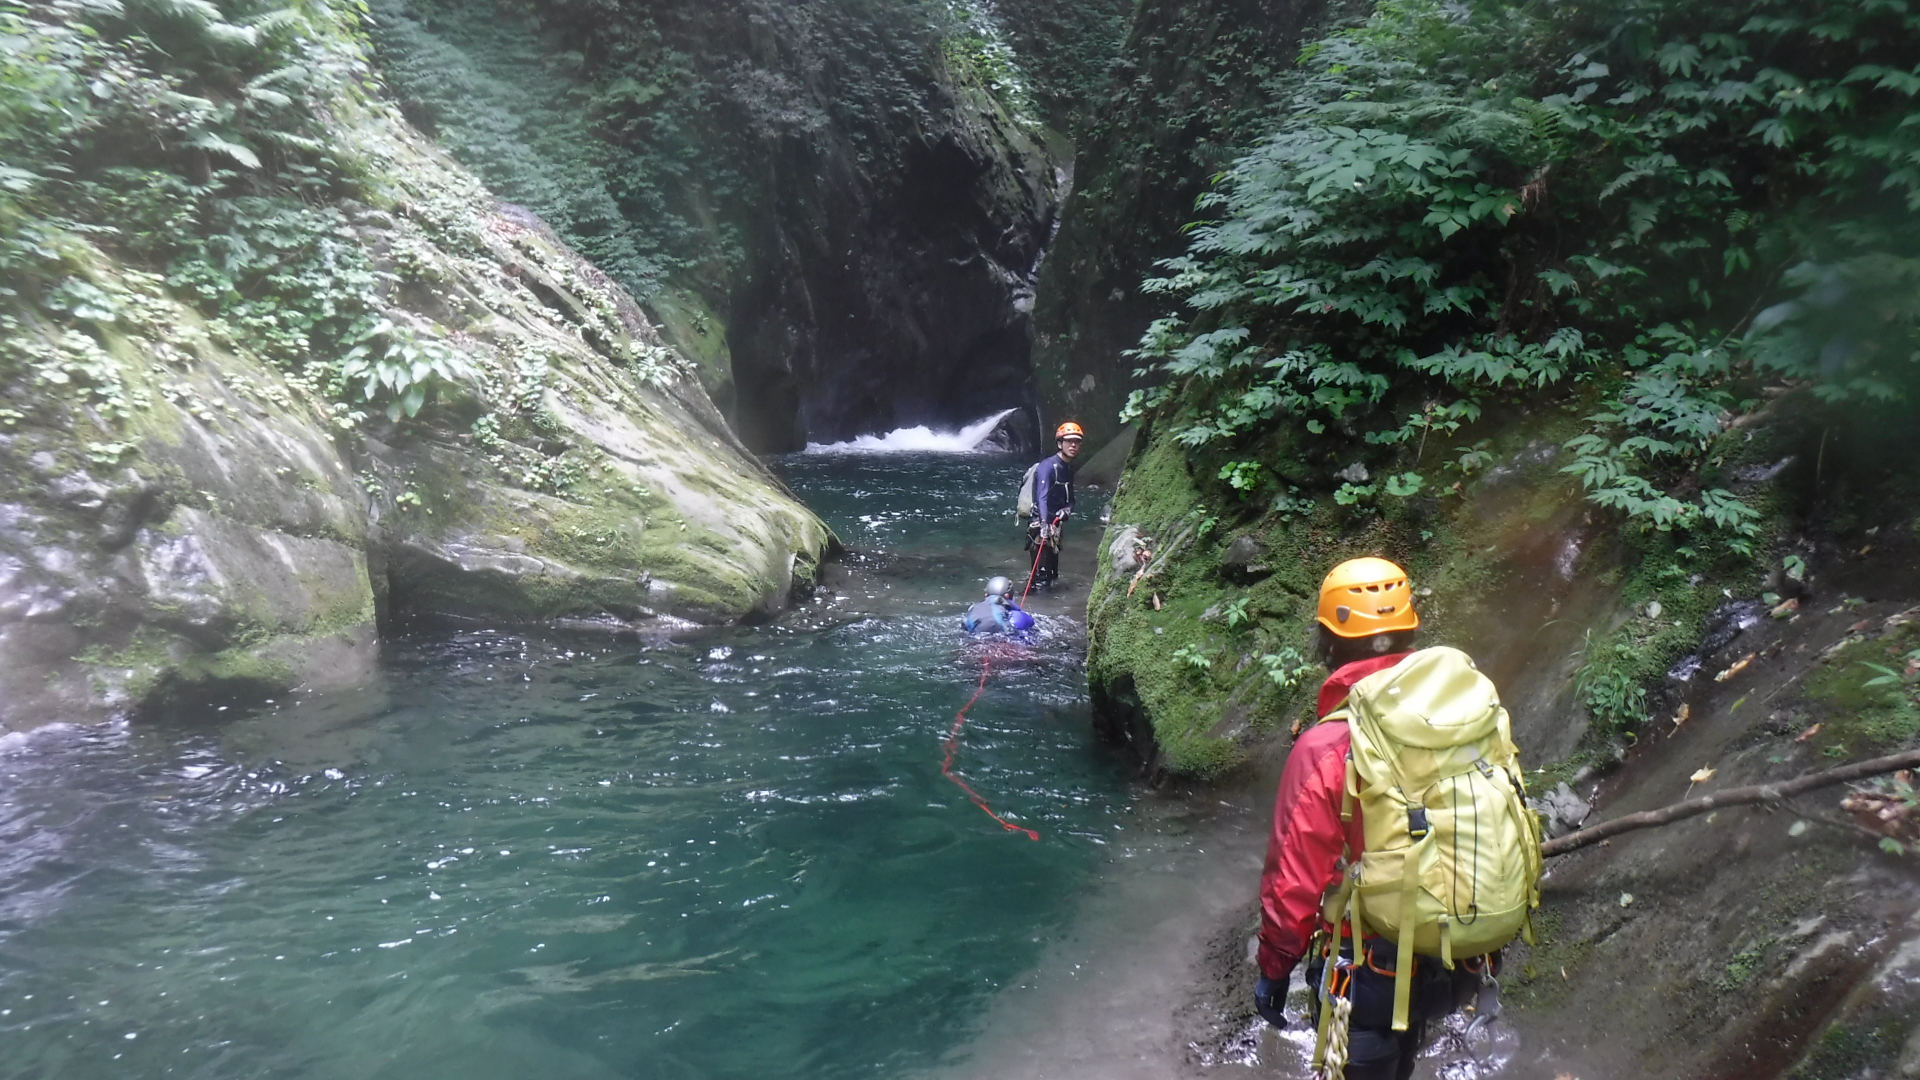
997	613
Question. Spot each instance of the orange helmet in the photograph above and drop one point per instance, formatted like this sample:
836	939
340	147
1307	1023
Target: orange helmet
1364	597
1068	430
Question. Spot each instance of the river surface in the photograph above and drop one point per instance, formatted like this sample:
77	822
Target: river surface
730	853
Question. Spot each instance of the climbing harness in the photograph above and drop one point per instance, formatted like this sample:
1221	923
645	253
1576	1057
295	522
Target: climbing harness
1043	537
952	744
1038	550
1336	987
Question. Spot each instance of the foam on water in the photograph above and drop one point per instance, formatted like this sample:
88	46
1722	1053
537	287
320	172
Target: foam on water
917	439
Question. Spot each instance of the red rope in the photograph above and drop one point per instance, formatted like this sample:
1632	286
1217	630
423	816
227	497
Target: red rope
1038	550
953	744
960	720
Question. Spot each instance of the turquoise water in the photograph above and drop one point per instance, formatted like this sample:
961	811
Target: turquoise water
730	854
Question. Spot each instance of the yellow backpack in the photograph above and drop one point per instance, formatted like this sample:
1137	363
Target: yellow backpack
1452	862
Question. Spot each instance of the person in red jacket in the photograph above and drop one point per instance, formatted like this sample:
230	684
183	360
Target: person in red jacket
1367	624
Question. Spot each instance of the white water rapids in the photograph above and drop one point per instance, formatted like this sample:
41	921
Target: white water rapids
917	439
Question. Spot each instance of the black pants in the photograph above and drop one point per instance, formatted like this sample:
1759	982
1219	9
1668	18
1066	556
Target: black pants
1047	567
1374	1050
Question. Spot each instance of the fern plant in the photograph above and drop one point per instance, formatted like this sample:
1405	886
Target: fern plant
1587	205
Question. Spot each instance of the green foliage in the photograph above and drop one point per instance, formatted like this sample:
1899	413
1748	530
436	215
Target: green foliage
1874	702
1904	795
1242	476
641	132
1741	968
395	361
1405	485
506	96
976	52
1193	657
1236	613
1287	668
190	135
1611	687
1579	206
1351	494
1065	48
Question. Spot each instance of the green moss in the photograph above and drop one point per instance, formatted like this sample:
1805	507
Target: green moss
1669	592
1545	977
693	328
237	666
1134	640
1870	705
143	661
1741	968
1844	1051
155	665
1202	718
344	611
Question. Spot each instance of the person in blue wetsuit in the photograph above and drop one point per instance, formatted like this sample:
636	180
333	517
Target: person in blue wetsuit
1052	502
996	613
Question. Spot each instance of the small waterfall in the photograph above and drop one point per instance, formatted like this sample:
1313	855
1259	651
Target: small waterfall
918	439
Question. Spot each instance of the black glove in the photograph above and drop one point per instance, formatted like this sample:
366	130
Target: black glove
1270	997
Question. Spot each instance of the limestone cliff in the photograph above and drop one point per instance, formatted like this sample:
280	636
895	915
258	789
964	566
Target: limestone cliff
270	377
843	205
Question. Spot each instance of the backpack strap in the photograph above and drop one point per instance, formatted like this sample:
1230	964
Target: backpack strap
1351	791
1409	897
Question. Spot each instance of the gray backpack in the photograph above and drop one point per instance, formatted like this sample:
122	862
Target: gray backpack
1024	508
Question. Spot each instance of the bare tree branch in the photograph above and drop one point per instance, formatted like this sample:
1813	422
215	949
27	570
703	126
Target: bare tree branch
1757	793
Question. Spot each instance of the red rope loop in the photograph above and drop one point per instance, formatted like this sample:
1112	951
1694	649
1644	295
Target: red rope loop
952	744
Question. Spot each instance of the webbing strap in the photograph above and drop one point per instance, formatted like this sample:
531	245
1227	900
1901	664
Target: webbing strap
1409	919
1326	1012
1353	915
1352	791
1529	825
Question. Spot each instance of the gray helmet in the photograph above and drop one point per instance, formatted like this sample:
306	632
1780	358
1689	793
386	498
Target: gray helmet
999	586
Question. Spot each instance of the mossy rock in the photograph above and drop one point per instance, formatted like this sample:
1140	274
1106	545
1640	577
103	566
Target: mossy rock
1510	563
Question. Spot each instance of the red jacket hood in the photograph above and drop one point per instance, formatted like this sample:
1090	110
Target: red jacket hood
1340	683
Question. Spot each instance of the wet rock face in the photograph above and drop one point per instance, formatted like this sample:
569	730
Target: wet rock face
227	553
218	531
845	185
605	500
897	292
